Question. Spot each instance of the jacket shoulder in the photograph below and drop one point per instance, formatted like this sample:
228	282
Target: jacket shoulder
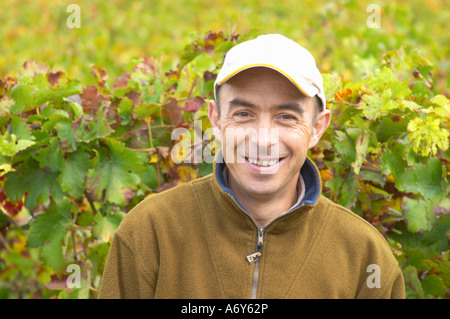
354	234
169	205
344	219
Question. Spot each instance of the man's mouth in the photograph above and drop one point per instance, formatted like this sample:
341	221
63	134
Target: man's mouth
263	162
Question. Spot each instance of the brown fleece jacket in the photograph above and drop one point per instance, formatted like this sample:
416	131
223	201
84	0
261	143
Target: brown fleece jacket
193	241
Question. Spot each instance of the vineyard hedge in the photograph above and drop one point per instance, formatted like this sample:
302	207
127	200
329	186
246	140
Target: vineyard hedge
76	157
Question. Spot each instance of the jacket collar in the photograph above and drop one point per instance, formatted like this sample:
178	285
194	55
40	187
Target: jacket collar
309	172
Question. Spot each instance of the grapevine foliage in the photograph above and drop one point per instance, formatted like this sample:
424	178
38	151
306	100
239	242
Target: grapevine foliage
76	157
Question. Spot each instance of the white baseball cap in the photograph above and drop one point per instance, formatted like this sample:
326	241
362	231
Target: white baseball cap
277	52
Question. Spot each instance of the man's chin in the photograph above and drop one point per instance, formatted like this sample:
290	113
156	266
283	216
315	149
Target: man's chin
256	188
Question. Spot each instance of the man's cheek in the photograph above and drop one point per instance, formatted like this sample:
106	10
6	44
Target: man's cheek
235	145
229	144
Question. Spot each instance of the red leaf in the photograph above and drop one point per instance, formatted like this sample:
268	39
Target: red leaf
439	210
146	66
173	111
209	49
210	36
91	99
53	77
209	76
195	104
134	96
57	283
122	81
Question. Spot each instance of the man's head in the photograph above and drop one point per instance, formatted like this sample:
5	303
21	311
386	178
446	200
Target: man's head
267	105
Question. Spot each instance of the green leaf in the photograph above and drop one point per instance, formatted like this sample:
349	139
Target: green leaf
115	171
30	178
125	109
150	176
51	156
23	96
347	190
362	142
426	180
392	161
442	101
20	128
64	127
42	89
427	136
96	129
145	110
73	87
75	108
204	168
366	175
380	79
85	218
345	146
73	175
411	105
418	214
10	145
412	283
399	90
51	225
388	129
371	106
52	252
415	256
107	225
188	55
155	96
434	285
442	266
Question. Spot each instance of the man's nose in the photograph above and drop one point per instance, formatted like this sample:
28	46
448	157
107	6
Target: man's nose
265	139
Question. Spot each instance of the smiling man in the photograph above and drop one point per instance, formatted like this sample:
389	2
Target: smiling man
262	100
258	227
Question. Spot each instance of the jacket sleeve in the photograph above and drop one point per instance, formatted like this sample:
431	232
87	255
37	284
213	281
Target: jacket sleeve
396	288
124	277
392	286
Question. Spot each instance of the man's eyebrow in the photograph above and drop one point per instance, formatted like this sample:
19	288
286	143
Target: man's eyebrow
297	108
240	102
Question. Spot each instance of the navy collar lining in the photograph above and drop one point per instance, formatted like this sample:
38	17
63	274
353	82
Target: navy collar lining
308	171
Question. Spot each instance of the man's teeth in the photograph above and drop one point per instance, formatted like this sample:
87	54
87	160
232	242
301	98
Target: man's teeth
263	163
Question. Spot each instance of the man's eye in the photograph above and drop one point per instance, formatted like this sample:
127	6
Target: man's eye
242	114
287	117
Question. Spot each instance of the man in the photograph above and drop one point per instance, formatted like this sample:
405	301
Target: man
258	227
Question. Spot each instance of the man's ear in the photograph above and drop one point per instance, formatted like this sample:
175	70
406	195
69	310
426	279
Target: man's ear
321	124
214	118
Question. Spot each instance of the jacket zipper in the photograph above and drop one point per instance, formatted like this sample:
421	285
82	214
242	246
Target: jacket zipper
255	258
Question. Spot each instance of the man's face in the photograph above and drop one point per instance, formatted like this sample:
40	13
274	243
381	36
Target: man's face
266	128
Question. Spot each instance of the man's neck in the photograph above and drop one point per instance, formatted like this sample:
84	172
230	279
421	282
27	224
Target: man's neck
265	209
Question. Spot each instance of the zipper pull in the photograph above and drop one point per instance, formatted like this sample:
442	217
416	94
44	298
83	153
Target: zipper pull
256	255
